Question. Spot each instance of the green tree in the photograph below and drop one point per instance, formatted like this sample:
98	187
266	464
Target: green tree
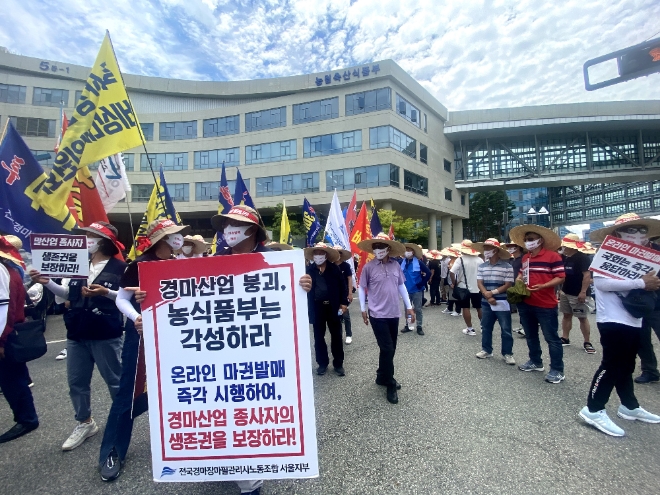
490	212
405	229
295	223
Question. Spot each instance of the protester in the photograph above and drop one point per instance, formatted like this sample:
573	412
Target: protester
542	271
383	279
14	377
575	290
326	303
436	277
276	246
464	275
163	238
516	253
444	283
452	255
94	325
194	246
417	275
620	333
346	272
494	277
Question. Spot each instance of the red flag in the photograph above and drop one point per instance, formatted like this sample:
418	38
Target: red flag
351	213
84	200
391	232
360	232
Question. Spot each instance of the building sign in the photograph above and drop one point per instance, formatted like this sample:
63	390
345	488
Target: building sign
49	66
356	73
623	260
229	368
58	255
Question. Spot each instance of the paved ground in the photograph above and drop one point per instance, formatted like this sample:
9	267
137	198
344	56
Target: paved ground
462	426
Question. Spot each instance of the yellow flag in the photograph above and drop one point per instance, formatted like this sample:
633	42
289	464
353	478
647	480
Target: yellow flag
285	229
102	124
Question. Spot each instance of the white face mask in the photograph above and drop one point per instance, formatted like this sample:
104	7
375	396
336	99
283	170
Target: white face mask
512	250
381	253
235	235
319	259
488	254
175	241
409	254
92	245
532	245
637	238
186	249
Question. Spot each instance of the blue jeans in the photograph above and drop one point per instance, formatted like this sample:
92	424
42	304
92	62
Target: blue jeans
488	319
530	318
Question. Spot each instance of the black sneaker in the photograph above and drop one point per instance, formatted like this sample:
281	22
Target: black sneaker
406	330
392	396
420	331
340	371
378	382
111	468
588	348
321	370
564	342
646	377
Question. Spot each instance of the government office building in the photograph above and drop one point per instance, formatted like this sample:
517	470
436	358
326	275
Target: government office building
372	128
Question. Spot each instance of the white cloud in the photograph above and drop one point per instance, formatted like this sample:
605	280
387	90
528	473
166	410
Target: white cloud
467	54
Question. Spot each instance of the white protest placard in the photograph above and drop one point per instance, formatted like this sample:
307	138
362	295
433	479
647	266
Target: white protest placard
624	260
59	255
229	368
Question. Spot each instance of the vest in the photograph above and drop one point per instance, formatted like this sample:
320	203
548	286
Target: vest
95	318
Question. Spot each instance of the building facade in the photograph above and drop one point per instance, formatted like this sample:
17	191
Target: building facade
372	128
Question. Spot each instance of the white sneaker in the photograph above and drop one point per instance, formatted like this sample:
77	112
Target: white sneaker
638	414
61	355
601	421
80	433
508	359
484	354
454	313
469	331
445	311
349	340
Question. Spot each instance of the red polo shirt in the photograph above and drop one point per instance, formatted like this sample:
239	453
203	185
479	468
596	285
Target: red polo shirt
540	269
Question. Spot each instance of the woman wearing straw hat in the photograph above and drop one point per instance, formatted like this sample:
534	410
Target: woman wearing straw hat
384	280
163	238
464	275
14	376
417	275
620	333
347	273
194	246
326	303
94	325
542	271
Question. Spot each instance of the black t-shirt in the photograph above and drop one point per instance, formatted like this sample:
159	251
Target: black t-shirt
435	266
574	266
516	263
346	272
321	287
130	277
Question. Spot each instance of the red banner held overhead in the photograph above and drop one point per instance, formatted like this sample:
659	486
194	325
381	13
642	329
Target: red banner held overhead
361	231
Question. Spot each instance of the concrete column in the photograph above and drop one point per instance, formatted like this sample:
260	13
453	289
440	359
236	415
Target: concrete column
387	205
458	229
446	231
433	234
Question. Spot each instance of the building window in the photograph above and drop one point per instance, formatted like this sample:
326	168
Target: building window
288	184
208	191
169	161
266	119
175	131
448	194
640	205
316	110
332	144
10	93
215	158
77	97
141	192
447	166
390	137
148	131
362	177
222	126
369	101
463	199
271	152
179	192
423	153
407	110
129	161
29	126
424	123
50	97
415	183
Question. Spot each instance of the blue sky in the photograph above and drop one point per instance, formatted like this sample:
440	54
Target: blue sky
468	54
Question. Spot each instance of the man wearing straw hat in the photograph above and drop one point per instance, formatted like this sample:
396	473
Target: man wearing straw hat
346	272
464	275
417	275
494	277
383	279
573	295
542	271
326	303
194	246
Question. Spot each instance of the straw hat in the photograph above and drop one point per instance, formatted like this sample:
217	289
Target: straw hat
551	240
199	244
573	241
451	252
629	219
277	246
466	248
105	230
501	247
158	230
417	249
9	246
396	248
243	214
343	253
589	248
332	253
434	254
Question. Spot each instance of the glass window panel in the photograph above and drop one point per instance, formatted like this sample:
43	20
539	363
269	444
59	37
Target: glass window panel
10	93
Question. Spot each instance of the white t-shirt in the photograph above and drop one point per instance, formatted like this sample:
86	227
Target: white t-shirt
444	268
471	264
609	308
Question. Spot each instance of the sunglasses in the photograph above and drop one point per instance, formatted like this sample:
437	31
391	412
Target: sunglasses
633	230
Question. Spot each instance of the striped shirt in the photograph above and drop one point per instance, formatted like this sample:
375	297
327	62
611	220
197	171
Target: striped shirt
494	276
541	269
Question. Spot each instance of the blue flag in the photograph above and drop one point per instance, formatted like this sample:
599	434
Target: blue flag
376	227
225	202
169	205
21	178
311	222
241	193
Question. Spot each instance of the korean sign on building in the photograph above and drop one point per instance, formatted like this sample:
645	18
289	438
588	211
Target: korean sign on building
229	368
59	255
623	260
346	75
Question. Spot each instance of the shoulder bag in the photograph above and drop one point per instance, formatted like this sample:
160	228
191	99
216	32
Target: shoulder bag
27	341
460	294
639	303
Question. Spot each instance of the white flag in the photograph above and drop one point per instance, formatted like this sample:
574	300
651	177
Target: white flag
335	228
112	181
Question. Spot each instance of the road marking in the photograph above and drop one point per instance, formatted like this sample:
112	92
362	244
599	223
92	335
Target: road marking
56	341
